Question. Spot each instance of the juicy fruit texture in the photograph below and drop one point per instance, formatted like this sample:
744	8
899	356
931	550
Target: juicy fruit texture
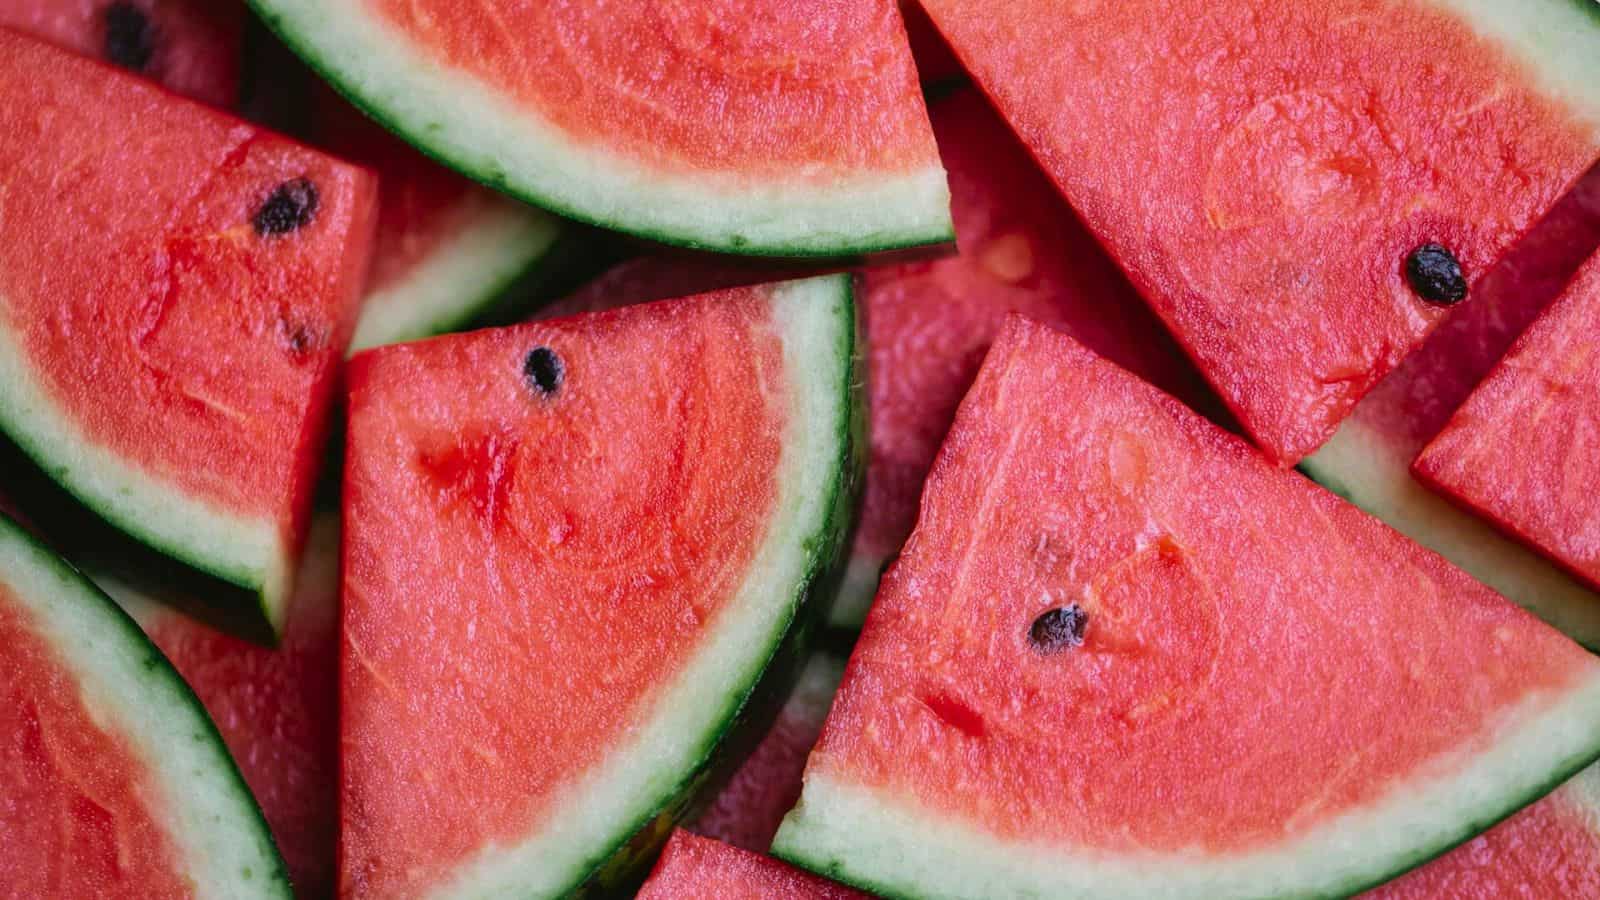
276	708
116	784
1067	482
176	290
1551	849
929	323
1269	171
1520	450
693	866
646	493
190	46
1369	459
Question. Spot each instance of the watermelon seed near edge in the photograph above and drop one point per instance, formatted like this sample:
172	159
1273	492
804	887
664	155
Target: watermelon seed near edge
543	369
130	39
1059	629
291	206
1434	274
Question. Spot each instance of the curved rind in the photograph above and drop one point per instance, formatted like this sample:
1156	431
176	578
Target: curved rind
1558	40
464	278
863	837
452	118
131	689
247	552
1355	465
585	848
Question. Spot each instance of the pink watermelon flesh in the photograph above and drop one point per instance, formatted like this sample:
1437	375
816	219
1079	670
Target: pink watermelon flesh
1268	173
1065	481
76	820
1521	450
190	46
277	709
693	867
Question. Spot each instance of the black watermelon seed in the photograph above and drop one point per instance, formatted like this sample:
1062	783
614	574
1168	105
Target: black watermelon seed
291	206
1434	274
1059	629
544	369
130	37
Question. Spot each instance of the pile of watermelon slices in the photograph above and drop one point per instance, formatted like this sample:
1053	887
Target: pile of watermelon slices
755	448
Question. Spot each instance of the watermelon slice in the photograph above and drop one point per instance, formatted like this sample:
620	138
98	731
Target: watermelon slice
606	528
1368	461
1541	409
115	782
190	46
747	126
176	291
1301	189
1074	679
697	867
276	708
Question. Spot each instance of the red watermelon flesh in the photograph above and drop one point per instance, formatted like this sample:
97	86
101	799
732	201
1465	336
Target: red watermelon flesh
190	46
1520	450
177	287
1268	170
75	822
1152	743
277	709
693	867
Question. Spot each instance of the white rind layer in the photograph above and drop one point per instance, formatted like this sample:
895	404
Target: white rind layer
631	783
500	241
1558	40
130	690
488	136
246	551
890	846
1357	465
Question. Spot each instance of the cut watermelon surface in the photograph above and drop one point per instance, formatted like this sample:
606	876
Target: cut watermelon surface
1521	450
1368	461
276	708
190	46
1091	670
572	550
1300	190
746	126
116	783
176	291
696	867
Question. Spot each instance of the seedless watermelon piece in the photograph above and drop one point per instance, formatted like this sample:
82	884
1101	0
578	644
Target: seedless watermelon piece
573	549
748	126
176	291
697	867
1301	189
1520	451
1124	655
116	783
190	46
1368	461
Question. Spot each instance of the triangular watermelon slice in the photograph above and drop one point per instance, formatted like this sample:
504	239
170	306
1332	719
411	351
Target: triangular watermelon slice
190	46
1124	655
1541	409
747	126
697	867
1368	462
573	550
176	291
115	782
1302	188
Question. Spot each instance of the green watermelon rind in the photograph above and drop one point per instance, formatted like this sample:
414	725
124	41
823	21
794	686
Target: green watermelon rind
1357	465
823	350
856	835
433	113
220	831
485	266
